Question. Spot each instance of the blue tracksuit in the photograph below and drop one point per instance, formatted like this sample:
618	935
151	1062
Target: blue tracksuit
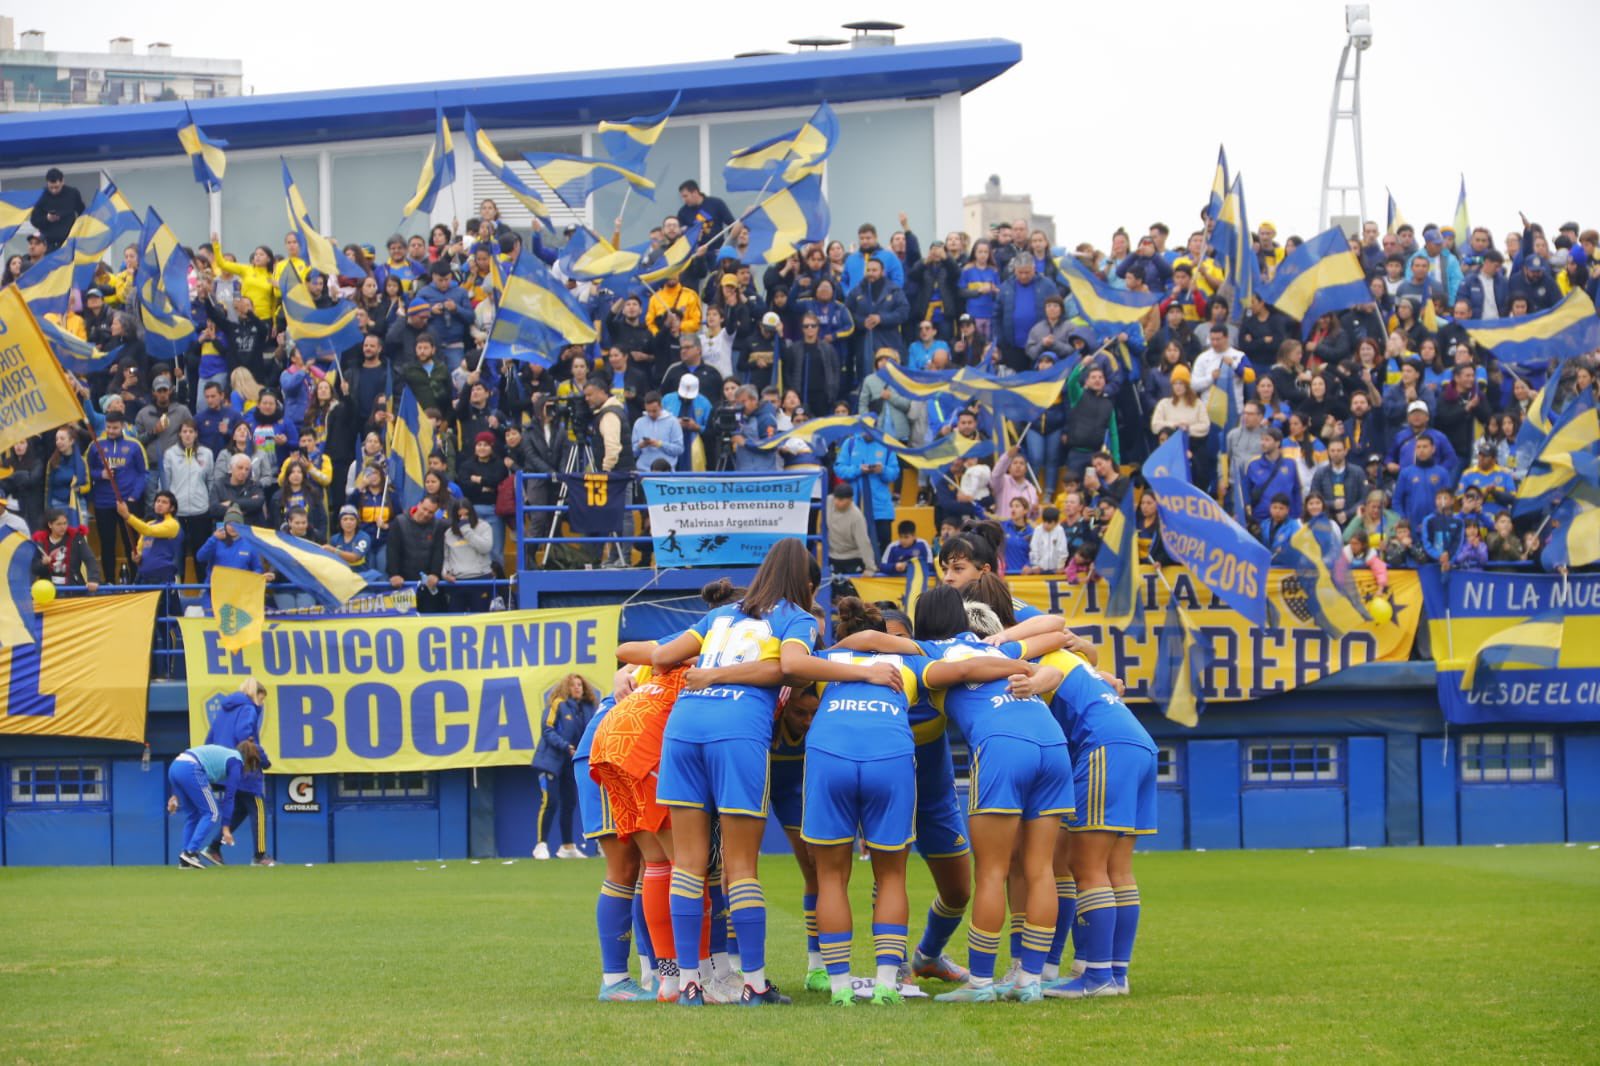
875	490
1415	489
240	719
192	774
1265	478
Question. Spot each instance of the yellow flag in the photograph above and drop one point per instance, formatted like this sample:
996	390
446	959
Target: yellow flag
239	598
35	394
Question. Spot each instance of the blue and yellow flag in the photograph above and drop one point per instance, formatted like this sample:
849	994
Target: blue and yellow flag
75	354
1178	687
239	600
918	580
1019	397
320	253
1574	531
939	453
16	606
95	232
1118	562
167	334
490	159
785	220
1570	452
1321	276
316	330
1536	424
16	208
47	285
411	440
828	430
786	158
588	255
536	317
87	672
1531	645
1222	402
574	177
1567	330
1316	554
37	395
1463	225
308	567
1234	251
163	262
205	153
1396	219
628	143
1100	302
1219	184
679	254
438	169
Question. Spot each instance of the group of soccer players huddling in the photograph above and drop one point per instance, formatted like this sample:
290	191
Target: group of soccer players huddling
743	710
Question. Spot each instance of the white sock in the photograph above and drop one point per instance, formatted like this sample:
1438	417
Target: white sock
646	971
720	964
814	960
839	981
1078	966
757	978
1052	971
980	982
1026	978
687	977
613	978
889	975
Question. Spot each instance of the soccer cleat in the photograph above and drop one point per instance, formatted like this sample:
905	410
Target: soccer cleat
665	996
767	997
887	996
844	997
817	980
1122	985
1012	975
540	851
265	860
968	993
724	988
191	859
941	968
1025	993
213	855
569	851
1080	988
692	995
626	990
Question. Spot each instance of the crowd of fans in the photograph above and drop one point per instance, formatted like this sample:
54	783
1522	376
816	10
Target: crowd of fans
1386	418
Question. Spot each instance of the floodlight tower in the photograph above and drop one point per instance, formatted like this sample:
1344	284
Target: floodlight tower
1347	84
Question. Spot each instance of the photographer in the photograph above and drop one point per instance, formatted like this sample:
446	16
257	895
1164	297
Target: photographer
757	422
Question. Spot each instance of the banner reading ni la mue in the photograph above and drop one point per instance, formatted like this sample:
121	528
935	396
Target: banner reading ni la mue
1249	661
726	520
87	673
391	693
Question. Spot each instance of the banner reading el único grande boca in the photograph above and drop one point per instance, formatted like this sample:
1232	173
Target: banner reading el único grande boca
431	692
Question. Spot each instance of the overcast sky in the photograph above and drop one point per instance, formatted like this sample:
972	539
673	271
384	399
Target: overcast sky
1113	117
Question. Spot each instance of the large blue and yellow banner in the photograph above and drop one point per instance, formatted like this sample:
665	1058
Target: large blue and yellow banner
87	672
1241	660
389	693
1515	647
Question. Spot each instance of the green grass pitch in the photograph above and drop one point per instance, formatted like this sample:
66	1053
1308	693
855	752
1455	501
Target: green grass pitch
1404	955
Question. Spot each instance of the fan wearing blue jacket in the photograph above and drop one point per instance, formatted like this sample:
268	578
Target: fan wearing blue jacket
192	776
238	720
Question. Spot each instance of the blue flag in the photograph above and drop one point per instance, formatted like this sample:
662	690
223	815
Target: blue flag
1198	533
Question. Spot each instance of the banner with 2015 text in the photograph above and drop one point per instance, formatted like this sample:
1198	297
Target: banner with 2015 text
430	692
1248	661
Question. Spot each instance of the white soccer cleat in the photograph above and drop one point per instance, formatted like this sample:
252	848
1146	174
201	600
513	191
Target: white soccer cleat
569	851
540	851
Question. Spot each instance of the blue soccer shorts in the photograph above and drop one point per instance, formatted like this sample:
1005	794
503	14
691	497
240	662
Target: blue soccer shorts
877	797
941	823
1115	785
727	776
594	804
1010	775
788	784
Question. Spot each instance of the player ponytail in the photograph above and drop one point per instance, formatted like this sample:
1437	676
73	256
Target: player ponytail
785	574
856	616
991	590
251	756
719	592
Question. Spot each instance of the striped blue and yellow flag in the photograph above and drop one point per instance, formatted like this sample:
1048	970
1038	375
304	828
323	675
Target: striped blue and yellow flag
16	606
939	453
438	169
1178	687
1118	562
1100	302
827	430
628	143
1565	331
1574	530
239	600
786	219
74	353
205	153
1396	219
1222	402
786	158
1019	397
677	257
316	330
490	159
1569	453
320	253
16	207
1234	252
95	232
47	285
1463	225
167	334
1531	645
163	261
1316	554
1536	425
1321	276
919	579
536	317
588	255
1219	184
308	567
574	177
411	441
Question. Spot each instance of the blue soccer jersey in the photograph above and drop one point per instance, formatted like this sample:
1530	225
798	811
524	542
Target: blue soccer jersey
1089	710
987	709
861	721
729	637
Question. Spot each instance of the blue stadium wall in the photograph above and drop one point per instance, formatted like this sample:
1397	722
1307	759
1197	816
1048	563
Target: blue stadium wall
1358	760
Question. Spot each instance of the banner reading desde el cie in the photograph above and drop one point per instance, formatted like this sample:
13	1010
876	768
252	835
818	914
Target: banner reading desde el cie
399	693
1248	661
1468	607
731	519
